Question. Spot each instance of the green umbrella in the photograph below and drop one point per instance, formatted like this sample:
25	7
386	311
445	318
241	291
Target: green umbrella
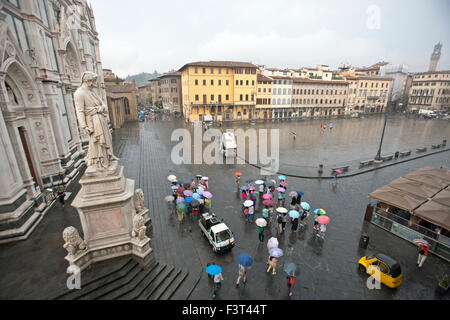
290	268
181	206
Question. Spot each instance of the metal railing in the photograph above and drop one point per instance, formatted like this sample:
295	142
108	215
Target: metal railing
439	244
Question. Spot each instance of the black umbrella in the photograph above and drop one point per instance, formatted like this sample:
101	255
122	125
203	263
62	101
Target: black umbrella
195	203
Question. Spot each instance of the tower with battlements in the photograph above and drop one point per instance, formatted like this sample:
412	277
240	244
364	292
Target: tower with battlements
435	57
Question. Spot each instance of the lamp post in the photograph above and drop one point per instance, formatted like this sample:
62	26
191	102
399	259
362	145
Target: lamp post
378	156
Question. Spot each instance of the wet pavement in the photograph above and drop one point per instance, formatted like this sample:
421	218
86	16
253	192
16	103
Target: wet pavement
35	268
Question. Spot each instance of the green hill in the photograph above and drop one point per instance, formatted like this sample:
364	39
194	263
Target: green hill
142	78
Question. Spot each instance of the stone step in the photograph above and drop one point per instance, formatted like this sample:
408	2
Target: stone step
114	285
165	285
151	277
168	294
107	277
155	284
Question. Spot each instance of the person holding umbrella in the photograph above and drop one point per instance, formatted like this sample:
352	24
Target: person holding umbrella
323	221
294	195
423	251
244	261
294	215
170	204
290	268
261	223
216	271
274	254
251	212
266	214
181	207
299	198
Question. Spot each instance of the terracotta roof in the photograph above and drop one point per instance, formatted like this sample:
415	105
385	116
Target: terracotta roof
262	77
431	72
282	77
170	74
123	88
306	80
229	64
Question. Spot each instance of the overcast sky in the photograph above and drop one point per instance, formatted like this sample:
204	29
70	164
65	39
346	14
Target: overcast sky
146	35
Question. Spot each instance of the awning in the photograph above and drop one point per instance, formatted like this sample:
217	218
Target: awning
435	213
397	198
443	197
415	188
429	178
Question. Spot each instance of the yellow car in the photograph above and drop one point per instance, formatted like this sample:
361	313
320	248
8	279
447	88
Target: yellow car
389	272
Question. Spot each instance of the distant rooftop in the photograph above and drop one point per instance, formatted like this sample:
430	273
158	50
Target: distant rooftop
229	64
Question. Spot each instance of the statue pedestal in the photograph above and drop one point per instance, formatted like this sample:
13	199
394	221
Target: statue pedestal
106	208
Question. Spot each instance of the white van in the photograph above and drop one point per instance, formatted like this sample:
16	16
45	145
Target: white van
228	144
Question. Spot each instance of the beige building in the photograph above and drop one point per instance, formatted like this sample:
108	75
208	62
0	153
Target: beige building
367	94
263	97
373	70
430	90
144	94
311	98
169	91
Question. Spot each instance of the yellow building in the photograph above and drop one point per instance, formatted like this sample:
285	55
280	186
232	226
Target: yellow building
218	90
264	97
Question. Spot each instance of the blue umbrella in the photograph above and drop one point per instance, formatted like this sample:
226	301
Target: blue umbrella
245	259
305	206
189	199
180	182
294	214
200	191
290	268
190	179
244	188
196	196
174	187
276	252
281	177
300	192
213	269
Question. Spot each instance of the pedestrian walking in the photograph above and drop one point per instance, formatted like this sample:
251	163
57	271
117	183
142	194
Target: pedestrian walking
253	197
423	253
244	195
61	195
322	230
316	224
261	234
170	207
294	225
280	199
208	204
272	262
280	222
290	284
251	213
194	214
284	221
294	203
218	279
261	190
246	210
180	214
265	213
242	275
303	217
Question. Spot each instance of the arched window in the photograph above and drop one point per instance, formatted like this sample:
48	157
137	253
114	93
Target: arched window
126	105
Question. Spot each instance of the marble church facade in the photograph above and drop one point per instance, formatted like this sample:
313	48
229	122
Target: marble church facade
45	46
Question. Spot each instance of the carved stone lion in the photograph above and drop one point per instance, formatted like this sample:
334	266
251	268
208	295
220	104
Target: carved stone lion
139	228
139	200
73	242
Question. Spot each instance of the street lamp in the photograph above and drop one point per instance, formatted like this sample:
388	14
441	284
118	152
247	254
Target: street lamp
378	156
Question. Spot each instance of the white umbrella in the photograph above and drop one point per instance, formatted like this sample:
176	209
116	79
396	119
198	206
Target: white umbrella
260	222
172	178
272	243
248	203
281	210
259	182
169	198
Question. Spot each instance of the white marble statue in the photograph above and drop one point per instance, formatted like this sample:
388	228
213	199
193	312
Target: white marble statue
73	242
139	201
139	228
91	114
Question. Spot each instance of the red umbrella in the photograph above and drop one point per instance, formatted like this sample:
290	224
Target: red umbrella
268	203
267	196
238	173
284	184
279	189
323	219
421	242
180	189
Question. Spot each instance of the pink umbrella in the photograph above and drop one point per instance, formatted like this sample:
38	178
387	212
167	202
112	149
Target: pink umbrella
269	203
323	219
251	187
338	171
267	196
179	200
207	194
284	184
188	193
421	242
279	189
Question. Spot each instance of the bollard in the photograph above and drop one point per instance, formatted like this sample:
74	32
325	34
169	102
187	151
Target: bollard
364	241
444	142
396	154
320	168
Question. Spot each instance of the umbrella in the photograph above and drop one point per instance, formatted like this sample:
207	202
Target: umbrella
293	194
181	206
338	171
180	189
269	203
421	242
272	243
201	201
180	200
290	268
331	124
196	196
284	184
248	203
169	199
323	219
319	211
172	178
180	182
276	252
204	178
199	176
244	188
279	189
195	203
174	187
271	182
207	194
188	193
238	173
191	179
281	210
267	196
281	177
294	214
300	192
245	259
189	199
251	187
305	206
259	182
261	222
213	270
200	191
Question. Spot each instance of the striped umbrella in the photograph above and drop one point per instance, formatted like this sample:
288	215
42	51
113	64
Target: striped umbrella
319	211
